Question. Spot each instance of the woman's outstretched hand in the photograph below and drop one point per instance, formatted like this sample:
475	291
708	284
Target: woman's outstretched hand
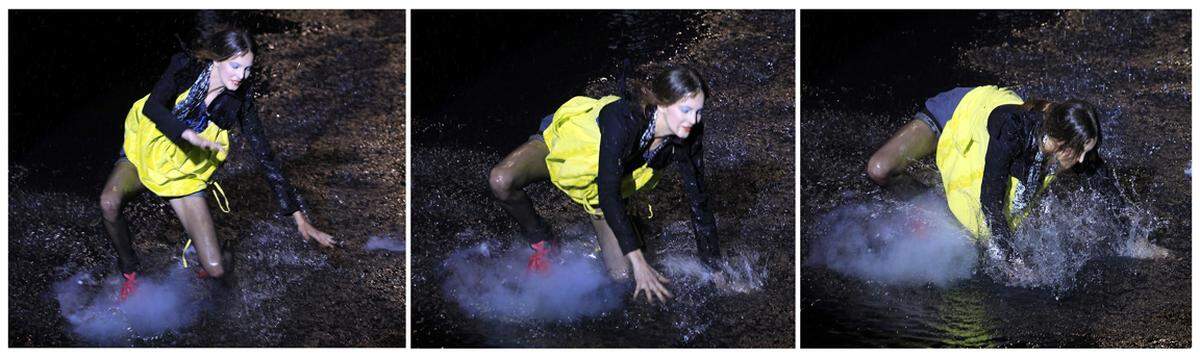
198	141
647	279
311	233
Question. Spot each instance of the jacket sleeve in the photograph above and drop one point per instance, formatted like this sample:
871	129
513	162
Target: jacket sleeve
689	161
162	100
286	196
613	141
995	186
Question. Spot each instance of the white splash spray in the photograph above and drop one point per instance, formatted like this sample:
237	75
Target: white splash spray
384	243
1066	231
916	242
489	280
160	305
738	274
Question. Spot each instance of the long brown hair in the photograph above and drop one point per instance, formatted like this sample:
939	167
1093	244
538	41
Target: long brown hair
1074	122
218	40
673	83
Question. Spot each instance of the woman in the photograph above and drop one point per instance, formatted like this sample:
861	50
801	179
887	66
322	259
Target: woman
177	136
994	153
601	151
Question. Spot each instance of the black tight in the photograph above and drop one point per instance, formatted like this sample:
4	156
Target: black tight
192	211
525	165
122	185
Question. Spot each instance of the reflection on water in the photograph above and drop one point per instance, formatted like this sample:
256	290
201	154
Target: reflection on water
961	318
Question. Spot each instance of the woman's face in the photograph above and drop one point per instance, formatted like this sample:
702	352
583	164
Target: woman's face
1066	157
233	71
685	113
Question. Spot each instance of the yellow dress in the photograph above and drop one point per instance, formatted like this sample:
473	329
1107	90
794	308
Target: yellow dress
163	167
573	138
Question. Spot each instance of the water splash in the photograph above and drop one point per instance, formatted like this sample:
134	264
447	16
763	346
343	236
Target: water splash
385	243
738	274
914	242
160	305
1066	231
489	281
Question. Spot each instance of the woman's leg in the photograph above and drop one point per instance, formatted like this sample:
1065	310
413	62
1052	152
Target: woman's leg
610	250
525	165
913	141
193	213
122	184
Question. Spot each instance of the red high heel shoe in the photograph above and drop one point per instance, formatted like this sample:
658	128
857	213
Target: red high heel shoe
129	286
539	262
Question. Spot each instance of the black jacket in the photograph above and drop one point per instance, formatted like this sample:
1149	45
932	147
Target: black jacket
622	124
229	109
1011	152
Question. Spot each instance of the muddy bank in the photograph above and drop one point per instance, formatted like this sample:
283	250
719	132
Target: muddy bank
333	107
1136	68
748	58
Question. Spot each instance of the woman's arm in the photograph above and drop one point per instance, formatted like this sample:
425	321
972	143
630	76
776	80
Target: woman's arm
690	163
994	189
286	196
613	142
288	199
162	100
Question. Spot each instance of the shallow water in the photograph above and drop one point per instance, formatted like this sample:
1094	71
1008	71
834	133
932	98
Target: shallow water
341	144
749	58
1092	273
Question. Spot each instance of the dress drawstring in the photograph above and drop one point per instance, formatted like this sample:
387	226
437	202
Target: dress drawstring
183	255
219	196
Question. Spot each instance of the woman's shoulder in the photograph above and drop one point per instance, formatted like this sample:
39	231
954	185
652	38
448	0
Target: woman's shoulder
1005	114
181	60
183	68
623	107
1012	123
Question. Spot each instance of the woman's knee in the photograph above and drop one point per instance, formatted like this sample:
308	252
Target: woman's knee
110	205
879	169
214	269
502	181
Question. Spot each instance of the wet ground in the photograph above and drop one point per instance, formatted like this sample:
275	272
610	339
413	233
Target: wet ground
333	108
459	231
1134	65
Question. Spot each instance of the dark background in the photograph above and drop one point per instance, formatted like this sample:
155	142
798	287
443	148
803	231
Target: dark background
913	54
477	68
74	74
